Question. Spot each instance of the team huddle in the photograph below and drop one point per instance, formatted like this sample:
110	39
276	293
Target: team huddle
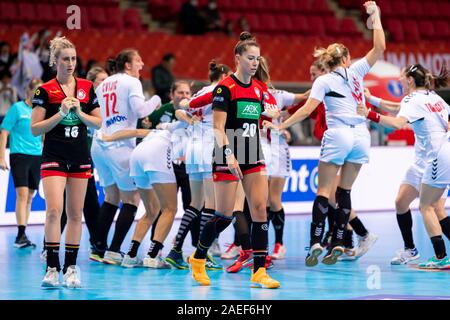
228	143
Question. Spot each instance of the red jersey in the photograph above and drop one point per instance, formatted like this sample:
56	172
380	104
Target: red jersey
68	140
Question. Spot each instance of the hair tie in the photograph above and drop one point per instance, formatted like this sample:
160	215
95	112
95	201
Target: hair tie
338	50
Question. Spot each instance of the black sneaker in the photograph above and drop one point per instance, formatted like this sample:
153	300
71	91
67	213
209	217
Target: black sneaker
327	239
23	242
96	254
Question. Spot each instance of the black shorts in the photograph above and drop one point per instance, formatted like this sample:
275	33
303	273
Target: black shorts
51	168
25	170
221	172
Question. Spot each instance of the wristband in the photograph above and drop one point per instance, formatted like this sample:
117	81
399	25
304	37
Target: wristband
374	116
375	101
227	151
62	113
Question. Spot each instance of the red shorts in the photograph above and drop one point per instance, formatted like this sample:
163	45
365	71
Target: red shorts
61	169
221	172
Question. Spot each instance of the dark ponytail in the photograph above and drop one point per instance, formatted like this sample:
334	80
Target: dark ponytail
217	70
424	78
118	64
441	80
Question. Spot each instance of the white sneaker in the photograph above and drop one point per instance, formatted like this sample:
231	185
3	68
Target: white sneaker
405	256
214	250
314	252
43	256
156	263
231	252
349	255
71	278
51	279
365	243
279	251
112	257
129	262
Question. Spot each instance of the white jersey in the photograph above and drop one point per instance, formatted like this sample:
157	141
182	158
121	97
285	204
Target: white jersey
283	99
341	91
114	96
205	111
428	115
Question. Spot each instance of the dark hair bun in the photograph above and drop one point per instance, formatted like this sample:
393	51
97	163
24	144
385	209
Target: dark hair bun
245	35
112	65
213	65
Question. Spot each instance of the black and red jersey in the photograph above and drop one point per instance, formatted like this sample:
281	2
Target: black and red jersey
68	140
243	104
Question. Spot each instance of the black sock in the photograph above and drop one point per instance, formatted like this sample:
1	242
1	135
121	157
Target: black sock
269	215
105	219
278	224
20	231
445	225
195	229
319	214
259	244
53	255
405	224
188	217
439	247
358	226
348	239
212	229
237	240
155	247
243	230
343	200
207	214
331	217
123	225
132	252
70	256
155	223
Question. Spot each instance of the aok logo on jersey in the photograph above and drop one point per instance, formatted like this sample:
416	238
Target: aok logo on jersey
248	110
303	181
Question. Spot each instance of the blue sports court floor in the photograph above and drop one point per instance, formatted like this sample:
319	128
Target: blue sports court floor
372	277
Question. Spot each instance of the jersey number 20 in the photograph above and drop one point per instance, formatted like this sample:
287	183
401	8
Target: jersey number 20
113	97
249	129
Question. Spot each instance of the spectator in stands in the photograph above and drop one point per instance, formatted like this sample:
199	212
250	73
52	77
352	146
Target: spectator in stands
26	67
6	57
8	94
242	25
212	17
190	18
229	28
162	77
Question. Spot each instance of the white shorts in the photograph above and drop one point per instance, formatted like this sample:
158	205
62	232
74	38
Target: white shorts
113	166
437	171
150	178
346	144
151	161
277	158
414	177
199	151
